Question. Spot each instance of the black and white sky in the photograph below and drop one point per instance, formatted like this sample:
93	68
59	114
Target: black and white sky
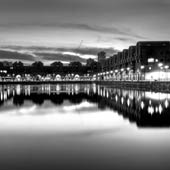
58	26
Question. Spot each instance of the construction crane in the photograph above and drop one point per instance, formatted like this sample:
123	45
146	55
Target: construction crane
80	44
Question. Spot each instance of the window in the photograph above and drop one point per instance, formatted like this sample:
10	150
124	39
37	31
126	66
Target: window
150	60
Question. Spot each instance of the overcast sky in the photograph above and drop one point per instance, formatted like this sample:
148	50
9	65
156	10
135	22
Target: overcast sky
99	23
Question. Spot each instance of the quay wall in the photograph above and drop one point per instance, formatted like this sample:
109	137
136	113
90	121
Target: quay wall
156	86
140	85
45	82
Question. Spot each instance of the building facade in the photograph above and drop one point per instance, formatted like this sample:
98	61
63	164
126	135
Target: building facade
148	60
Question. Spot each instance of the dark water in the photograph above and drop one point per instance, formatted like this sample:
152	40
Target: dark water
83	127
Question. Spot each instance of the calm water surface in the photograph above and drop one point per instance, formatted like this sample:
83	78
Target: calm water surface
83	127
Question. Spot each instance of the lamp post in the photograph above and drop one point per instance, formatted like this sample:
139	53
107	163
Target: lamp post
116	74
128	69
122	71
160	67
143	68
166	68
111	75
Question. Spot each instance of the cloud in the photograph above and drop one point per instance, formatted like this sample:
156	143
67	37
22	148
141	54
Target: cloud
124	39
102	29
33	53
60	57
79	26
90	50
44	57
9	55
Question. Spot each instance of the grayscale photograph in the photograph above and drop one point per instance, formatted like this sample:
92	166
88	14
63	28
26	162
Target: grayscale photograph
84	84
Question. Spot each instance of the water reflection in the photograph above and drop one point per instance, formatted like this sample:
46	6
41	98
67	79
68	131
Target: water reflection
146	109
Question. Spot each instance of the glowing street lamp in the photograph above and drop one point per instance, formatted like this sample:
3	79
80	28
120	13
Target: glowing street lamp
116	76
160	64
128	69
166	67
122	70
142	67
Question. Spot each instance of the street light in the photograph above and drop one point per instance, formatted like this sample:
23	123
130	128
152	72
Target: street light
142	68
166	68
122	70
116	71
160	65
128	69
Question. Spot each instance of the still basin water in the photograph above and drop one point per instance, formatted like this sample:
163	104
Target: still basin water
73	126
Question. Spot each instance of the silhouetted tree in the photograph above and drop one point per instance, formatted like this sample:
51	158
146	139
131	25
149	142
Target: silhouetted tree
57	64
1	65
37	64
95	67
75	64
18	67
18	64
57	67
38	67
75	67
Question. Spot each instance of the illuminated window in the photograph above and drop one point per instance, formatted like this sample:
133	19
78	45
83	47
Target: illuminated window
150	60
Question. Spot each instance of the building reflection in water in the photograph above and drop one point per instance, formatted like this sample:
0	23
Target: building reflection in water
146	109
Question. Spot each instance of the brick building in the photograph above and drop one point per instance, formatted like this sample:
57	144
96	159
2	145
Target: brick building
141	62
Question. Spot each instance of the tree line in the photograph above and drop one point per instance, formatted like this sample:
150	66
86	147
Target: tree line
57	67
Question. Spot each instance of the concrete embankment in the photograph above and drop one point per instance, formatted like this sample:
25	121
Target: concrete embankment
45	82
141	85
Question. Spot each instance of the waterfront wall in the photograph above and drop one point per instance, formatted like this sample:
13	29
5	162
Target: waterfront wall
45	82
139	85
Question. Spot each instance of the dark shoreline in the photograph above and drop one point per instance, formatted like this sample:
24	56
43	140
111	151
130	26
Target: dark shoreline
157	86
45	82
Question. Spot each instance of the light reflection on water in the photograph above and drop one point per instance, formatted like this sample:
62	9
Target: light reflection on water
83	126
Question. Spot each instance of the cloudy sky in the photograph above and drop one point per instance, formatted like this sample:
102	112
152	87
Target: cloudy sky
45	29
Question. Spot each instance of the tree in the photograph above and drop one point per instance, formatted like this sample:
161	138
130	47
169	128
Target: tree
57	67
1	65
57	64
38	67
95	67
18	64
75	67
75	64
37	64
18	67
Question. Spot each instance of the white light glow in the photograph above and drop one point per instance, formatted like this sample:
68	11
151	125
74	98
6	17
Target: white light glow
55	120
157	75
157	96
150	60
160	64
